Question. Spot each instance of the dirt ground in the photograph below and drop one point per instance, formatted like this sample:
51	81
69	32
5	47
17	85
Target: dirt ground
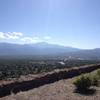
60	90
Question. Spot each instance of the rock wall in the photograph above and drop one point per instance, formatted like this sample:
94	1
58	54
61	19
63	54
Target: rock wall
48	78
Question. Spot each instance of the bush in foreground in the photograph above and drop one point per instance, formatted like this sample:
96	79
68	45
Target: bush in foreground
96	78
98	73
83	83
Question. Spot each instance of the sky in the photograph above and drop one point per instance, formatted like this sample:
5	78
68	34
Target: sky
74	23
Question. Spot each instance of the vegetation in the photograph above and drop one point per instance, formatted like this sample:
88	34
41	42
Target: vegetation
96	78
84	82
14	68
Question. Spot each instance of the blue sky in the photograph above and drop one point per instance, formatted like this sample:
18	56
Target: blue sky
73	23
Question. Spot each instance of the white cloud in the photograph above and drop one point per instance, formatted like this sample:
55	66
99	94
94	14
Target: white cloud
10	35
18	37
31	39
47	37
2	35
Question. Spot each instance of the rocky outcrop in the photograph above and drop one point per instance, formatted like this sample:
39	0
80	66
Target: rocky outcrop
47	78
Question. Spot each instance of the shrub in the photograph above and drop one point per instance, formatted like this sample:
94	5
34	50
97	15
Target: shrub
94	80
83	83
98	73
97	76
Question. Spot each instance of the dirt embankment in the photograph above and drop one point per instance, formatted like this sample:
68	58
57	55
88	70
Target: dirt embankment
15	87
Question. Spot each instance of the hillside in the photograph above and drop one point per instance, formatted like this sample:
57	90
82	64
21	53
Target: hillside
35	81
60	90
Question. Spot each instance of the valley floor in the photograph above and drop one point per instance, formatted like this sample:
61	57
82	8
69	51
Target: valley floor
61	90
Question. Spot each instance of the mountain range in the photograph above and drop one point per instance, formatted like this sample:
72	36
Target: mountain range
43	48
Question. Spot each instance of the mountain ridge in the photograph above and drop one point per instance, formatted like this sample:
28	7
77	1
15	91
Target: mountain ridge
33	48
43	48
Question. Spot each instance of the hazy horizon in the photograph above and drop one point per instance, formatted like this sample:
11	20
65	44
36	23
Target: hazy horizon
45	44
73	23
